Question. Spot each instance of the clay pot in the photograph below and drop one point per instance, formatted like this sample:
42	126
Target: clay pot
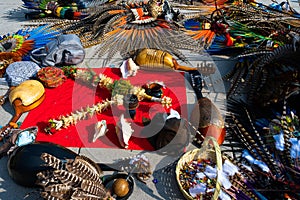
218	133
207	118
25	162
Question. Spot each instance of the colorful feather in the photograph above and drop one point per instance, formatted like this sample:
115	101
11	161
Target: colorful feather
57	8
42	4
21	43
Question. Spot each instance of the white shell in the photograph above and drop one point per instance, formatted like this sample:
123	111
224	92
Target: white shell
173	114
100	130
123	131
129	68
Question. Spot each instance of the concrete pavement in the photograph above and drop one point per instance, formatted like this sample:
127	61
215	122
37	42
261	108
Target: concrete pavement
11	19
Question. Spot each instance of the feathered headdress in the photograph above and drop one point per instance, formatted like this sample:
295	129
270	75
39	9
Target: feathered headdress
242	26
17	46
25	40
127	27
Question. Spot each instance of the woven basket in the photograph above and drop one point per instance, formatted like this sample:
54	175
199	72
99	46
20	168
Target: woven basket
209	150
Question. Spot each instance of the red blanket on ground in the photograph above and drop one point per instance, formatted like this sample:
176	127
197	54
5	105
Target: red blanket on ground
73	95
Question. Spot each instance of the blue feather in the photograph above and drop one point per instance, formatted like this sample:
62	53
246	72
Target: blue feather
42	35
192	25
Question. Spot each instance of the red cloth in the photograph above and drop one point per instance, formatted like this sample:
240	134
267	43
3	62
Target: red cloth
73	95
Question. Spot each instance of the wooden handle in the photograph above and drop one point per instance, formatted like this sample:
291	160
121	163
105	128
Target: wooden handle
211	140
19	110
181	67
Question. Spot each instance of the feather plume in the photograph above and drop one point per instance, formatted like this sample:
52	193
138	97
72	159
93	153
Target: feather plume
46	178
81	195
48	196
84	168
92	187
58	188
52	161
67	178
80	179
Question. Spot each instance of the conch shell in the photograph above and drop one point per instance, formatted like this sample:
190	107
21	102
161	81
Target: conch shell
100	129
123	131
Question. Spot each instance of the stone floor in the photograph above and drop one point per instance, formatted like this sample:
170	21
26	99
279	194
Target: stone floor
11	19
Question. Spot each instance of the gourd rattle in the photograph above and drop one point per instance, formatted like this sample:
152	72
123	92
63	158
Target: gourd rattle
162	60
158	59
24	97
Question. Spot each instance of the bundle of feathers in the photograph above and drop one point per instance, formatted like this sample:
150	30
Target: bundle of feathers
241	28
264	142
78	178
126	27
264	79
